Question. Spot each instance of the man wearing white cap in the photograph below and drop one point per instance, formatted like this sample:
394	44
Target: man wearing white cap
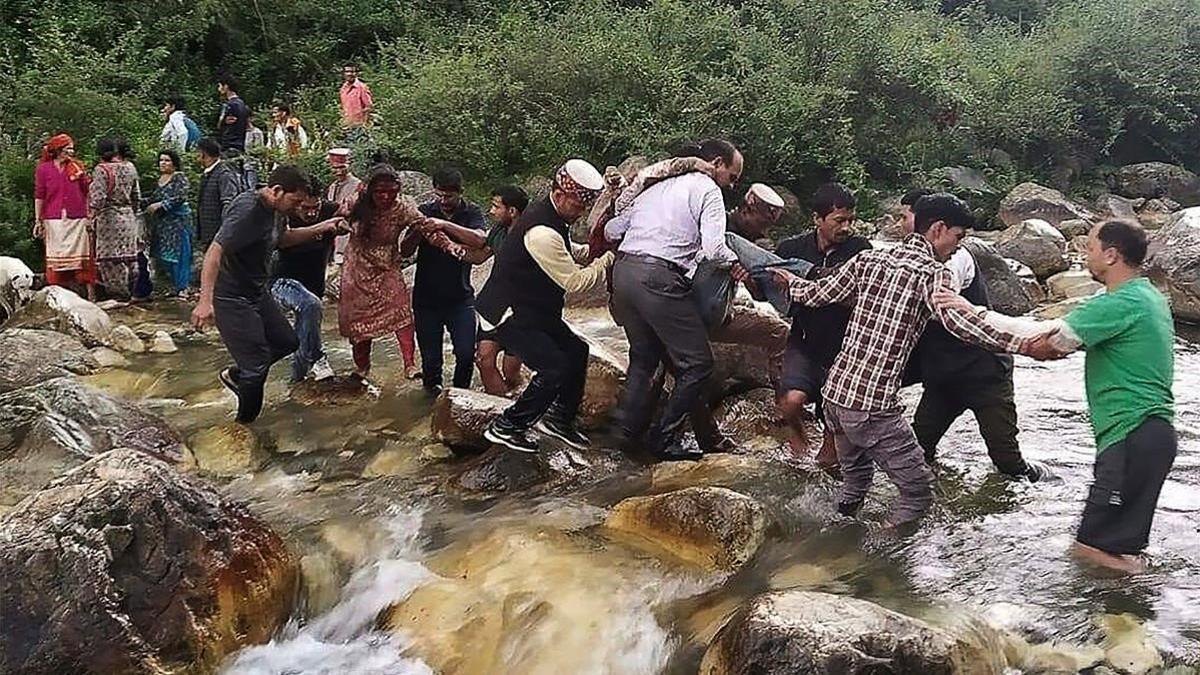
669	229
343	186
522	302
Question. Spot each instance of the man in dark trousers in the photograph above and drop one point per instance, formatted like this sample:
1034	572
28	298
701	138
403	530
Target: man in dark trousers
959	376
443	299
818	332
523	301
234	284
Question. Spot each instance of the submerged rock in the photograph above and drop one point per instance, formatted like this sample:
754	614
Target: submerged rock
32	356
1158	179
126	566
1006	291
109	358
1173	263
51	427
750	419
1126	646
229	450
711	527
333	391
123	339
1030	200
817	633
162	343
1037	244
59	309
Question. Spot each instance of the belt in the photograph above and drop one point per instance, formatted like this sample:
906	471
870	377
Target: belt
652	260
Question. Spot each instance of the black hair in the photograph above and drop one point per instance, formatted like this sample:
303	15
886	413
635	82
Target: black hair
913	195
284	107
174	156
512	196
709	149
941	206
447	178
289	177
209	146
229	81
364	209
316	188
1127	237
832	196
110	147
174	101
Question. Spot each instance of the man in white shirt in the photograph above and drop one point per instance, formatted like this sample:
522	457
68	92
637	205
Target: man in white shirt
174	134
670	227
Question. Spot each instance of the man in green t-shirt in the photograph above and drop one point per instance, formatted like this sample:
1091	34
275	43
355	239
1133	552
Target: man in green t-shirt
1128	335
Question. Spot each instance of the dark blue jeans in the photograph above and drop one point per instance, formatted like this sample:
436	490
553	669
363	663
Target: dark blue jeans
431	324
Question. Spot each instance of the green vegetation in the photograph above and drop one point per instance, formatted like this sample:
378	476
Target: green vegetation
877	93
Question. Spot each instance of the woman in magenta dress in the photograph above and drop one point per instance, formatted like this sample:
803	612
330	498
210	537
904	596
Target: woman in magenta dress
60	212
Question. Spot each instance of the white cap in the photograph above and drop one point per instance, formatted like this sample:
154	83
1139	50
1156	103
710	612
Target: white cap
339	152
584	174
766	195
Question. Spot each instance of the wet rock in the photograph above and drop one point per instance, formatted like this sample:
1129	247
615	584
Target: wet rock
1173	263
1075	227
739	367
1073	284
1126	645
502	471
32	356
109	358
1158	179
123	339
400	459
1037	244
1030	200
1007	293
750	419
162	343
461	415
719	470
126	566
228	450
53	426
711	527
58	309
332	391
602	392
1050	657
809	632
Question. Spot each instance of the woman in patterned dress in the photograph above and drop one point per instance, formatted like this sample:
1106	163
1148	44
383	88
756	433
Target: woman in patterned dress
375	301
171	216
113	198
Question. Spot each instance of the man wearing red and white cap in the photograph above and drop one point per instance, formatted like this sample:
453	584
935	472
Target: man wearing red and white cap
340	191
522	302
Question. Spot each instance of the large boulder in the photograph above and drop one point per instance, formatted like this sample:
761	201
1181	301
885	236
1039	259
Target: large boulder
32	356
226	450
59	309
1156	213
714	528
53	426
1158	179
461	415
1072	284
1116	206
605	380
1008	294
1030	200
1173	263
126	566
1037	244
500	471
818	633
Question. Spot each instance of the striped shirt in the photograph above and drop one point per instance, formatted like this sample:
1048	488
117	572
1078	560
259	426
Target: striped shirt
891	292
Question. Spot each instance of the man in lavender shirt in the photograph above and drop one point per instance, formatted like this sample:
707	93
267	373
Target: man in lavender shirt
668	230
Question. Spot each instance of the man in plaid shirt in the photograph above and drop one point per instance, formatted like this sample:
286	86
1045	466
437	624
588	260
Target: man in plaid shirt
891	292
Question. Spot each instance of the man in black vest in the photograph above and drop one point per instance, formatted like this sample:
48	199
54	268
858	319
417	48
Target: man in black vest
958	376
522	302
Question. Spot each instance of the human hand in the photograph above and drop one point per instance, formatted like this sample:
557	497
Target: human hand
944	298
202	315
739	273
154	207
1041	349
39	229
782	277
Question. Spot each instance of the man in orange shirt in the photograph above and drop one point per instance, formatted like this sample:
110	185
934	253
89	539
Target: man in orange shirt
355	98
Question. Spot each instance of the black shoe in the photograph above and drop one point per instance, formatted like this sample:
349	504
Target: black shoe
723	446
228	377
849	509
434	391
563	431
676	453
509	437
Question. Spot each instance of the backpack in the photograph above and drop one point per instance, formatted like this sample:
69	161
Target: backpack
193	133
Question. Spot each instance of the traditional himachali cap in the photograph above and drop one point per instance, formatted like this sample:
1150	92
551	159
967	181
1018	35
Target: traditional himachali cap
580	178
339	155
765	194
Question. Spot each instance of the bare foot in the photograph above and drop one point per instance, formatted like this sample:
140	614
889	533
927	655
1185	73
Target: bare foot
1128	564
412	371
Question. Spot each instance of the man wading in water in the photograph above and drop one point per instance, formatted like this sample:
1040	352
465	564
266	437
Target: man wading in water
1127	334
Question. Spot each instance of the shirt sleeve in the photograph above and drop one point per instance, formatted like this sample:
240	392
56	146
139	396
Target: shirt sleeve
238	229
837	287
228	186
547	250
712	227
365	96
966	325
1100	319
39	184
617	226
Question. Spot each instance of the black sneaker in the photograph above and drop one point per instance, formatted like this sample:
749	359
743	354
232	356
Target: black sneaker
563	431
228	377
515	439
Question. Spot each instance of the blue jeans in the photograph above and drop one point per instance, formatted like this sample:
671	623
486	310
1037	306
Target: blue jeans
758	262
294	297
430	324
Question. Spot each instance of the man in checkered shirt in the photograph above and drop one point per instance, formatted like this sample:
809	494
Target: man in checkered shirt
891	292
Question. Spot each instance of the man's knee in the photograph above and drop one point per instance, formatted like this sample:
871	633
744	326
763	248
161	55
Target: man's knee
486	353
792	403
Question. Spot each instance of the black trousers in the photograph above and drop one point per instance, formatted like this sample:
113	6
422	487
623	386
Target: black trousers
559	360
652	300
257	334
1129	476
991	400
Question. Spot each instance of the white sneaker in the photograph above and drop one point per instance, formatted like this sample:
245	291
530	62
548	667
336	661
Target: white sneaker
321	370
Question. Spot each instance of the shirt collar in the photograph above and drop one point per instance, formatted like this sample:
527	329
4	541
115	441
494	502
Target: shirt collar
917	241
211	167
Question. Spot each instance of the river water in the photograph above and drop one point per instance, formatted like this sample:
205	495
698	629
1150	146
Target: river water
528	583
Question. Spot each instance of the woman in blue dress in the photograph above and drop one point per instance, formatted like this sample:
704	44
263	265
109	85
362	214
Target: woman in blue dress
172	221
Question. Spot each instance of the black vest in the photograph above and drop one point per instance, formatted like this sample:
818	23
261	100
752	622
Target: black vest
516	281
944	359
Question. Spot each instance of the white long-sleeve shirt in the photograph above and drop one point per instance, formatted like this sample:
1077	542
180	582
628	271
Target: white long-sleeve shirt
681	220
546	248
174	134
